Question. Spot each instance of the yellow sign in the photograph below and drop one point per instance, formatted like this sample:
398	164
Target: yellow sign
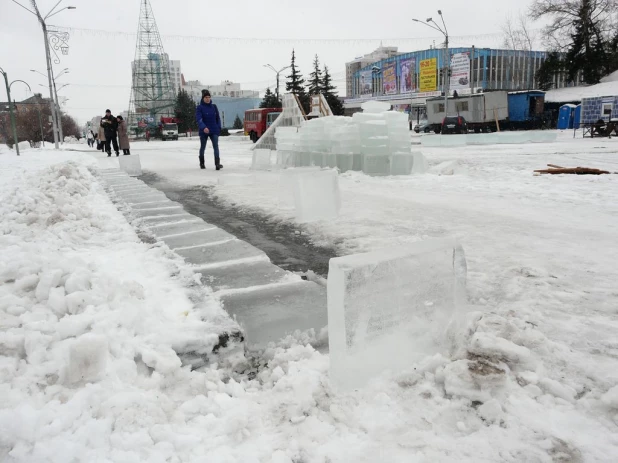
428	80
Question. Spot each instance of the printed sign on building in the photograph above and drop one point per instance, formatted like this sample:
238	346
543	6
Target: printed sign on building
365	83
407	71
428	81
460	71
389	78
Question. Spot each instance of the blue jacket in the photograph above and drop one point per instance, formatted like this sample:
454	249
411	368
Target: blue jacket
207	115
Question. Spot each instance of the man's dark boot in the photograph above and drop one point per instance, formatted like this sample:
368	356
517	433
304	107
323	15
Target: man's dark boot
202	166
219	166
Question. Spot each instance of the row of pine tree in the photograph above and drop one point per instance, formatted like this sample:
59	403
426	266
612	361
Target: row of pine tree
320	81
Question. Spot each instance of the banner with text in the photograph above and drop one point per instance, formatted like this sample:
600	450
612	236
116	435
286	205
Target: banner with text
389	78
407	75
460	71
428	80
365	84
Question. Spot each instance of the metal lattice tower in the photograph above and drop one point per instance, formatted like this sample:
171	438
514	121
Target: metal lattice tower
152	93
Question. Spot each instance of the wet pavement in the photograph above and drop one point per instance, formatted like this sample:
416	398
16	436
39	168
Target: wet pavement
280	241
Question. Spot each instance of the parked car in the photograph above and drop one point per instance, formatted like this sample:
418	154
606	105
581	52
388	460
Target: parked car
423	126
454	124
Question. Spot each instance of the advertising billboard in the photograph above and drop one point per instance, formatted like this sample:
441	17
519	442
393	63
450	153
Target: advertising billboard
365	84
428	81
407	71
389	78
460	71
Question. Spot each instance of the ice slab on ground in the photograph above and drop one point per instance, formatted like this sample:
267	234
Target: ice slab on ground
482	139
24	145
261	159
167	219
390	308
154	204
198	238
244	275
271	313
512	138
217	253
544	136
131	165
159	211
316	195
443	140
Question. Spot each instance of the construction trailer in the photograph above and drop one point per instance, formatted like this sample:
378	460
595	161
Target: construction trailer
482	111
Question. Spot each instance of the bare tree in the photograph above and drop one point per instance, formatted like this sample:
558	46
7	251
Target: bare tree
562	15
519	37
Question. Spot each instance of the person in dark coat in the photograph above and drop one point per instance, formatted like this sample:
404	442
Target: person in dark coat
123	135
209	123
110	127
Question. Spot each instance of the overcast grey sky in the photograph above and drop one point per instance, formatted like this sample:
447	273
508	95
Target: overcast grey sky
216	41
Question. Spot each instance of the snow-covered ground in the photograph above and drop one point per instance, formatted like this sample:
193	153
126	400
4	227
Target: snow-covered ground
534	379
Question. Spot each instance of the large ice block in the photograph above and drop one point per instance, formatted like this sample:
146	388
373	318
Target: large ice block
131	165
443	140
377	164
261	159
389	309
419	163
316	195
286	185
401	163
373	106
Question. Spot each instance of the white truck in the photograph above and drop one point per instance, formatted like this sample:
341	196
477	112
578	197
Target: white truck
169	131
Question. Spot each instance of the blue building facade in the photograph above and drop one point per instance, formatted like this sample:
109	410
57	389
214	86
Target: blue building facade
407	77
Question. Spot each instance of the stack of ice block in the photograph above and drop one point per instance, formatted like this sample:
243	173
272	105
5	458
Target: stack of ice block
313	143
374	144
399	143
345	145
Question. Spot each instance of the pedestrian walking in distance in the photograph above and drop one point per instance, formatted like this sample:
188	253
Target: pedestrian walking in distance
101	143
123	135
110	128
90	138
209	122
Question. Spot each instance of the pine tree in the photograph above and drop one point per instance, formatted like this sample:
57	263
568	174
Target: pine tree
316	83
237	123
296	84
270	100
587	53
185	112
330	93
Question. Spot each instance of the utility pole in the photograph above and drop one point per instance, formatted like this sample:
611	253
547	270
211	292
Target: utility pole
269	66
8	94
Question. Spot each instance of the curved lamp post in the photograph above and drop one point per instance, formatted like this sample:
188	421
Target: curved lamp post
270	66
429	22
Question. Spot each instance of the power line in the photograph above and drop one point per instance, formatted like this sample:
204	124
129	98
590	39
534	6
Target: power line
281	40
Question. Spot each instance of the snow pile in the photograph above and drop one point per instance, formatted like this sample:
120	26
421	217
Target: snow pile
576	94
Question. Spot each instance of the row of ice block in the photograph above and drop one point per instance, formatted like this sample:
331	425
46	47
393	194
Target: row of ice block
495	138
312	192
402	163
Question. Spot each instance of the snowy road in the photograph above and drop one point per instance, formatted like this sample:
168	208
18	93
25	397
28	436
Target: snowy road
534	380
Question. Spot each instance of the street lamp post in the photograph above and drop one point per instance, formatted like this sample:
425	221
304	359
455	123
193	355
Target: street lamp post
8	95
59	39
270	66
447	66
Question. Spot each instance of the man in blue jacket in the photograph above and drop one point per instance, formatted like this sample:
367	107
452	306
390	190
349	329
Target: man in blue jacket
209	123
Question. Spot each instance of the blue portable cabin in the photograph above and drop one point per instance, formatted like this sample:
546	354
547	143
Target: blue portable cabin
577	117
526	109
599	107
565	116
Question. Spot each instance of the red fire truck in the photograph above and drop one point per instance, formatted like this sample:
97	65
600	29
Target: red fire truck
168	128
258	120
